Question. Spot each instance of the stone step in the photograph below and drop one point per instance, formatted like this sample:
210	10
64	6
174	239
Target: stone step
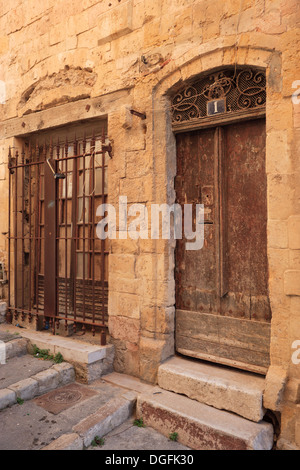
223	388
202	427
198	425
108	417
16	348
20	368
24	378
3	310
90	361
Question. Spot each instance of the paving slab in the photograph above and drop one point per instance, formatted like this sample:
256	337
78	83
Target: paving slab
6	336
130	383
130	437
20	368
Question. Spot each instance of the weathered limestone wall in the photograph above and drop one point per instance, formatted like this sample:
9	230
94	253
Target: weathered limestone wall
65	60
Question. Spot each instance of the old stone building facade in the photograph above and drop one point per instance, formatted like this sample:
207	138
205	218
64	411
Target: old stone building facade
128	66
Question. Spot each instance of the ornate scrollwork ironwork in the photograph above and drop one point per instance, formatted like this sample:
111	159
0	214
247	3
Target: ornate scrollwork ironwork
243	88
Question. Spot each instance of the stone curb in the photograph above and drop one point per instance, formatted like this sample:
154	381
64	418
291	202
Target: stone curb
100	423
66	442
16	347
3	310
7	398
38	384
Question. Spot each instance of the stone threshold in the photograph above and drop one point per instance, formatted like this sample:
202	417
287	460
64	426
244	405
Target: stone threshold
222	387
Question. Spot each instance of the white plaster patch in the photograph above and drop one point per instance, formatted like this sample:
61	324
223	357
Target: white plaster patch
90	64
2	92
2	353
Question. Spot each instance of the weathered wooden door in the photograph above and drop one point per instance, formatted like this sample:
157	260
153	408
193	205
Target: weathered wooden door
222	305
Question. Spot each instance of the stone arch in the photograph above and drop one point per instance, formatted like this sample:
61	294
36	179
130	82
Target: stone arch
190	67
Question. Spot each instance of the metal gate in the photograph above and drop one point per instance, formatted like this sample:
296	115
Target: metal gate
57	267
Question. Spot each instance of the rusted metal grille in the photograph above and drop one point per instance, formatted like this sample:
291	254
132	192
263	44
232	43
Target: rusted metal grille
57	265
242	89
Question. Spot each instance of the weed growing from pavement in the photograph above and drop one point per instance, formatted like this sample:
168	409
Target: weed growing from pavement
44	354
139	423
173	436
97	441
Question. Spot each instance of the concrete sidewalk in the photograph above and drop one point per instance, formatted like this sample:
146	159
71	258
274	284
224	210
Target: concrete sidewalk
29	426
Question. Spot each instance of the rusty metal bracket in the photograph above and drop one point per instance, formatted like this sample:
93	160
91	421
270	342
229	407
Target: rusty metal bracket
11	164
108	148
12	161
136	113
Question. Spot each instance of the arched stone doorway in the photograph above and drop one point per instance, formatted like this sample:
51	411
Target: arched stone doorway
222	301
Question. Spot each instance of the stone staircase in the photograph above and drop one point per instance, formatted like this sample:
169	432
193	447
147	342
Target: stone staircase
64	405
22	376
210	407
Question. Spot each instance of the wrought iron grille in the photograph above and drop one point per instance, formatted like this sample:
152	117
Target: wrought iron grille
242	89
57	266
